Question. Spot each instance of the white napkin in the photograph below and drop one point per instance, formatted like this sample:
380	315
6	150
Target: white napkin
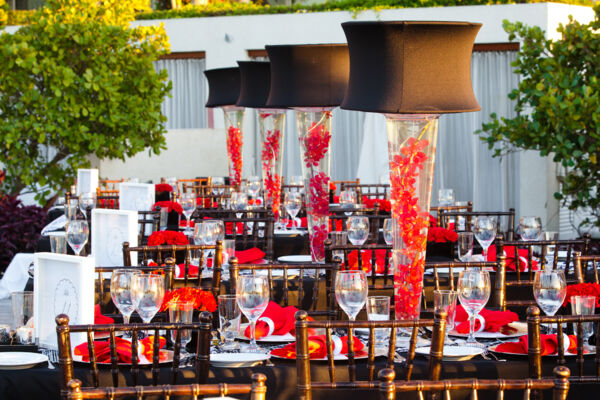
55	225
16	275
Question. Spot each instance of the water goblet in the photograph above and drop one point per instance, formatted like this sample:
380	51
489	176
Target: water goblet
550	249
530	228
465	246
188	203
182	312
549	290
253	186
292	202
338	238
217	181
348	200
239	202
378	309
351	291
148	295
252	297
71	208
358	230
77	234
123	285
584	305
473	293
484	229
297	180
445	300
445	197
388	231
229	321
87	202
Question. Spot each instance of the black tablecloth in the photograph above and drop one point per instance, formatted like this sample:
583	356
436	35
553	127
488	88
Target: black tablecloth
43	383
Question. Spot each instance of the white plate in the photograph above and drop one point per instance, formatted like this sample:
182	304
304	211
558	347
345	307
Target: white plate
142	359
454	353
299	259
337	357
20	360
520	326
287	338
237	360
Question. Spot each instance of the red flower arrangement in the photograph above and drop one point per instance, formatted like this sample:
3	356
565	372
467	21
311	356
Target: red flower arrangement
332	187
163	187
441	235
169	205
316	144
317	241
318	204
384	205
272	179
234	151
167	237
203	300
432	221
254	202
583	289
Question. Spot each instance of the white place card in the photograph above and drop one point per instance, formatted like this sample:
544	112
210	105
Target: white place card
136	196
87	181
110	228
63	284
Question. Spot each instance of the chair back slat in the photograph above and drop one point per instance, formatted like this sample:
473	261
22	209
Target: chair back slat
509	216
329	344
351	362
371	350
135	369
114	359
92	353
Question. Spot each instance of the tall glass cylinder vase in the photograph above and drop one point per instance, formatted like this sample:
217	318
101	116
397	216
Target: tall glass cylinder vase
411	149
314	132
234	119
272	128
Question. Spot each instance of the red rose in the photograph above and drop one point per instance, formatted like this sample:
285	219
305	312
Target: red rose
163	187
583	289
169	205
167	237
203	300
441	235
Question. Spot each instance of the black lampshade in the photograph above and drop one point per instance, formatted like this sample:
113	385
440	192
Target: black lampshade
410	67
308	75
223	86
256	79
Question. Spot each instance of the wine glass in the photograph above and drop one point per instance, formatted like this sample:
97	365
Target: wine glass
348	200
123	285
253	297
87	202
549	290
239	201
445	197
388	231
473	293
530	228
253	186
351	291
210	232
358	230
550	249
584	305
182	312
484	229
188	203
77	234
217	181
297	180
465	246
148	295
292	203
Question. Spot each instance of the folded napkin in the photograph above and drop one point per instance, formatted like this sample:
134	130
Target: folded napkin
192	270
239	228
366	260
339	225
183	223
495	321
549	345
249	256
275	320
100	319
303	222
317	347
511	264
102	349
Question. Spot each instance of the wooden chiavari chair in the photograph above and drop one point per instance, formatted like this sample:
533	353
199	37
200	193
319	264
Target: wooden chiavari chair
367	381
299	282
110	184
586	267
185	185
148	222
340	185
445	217
534	350
559	386
257	390
524	279
371	191
439	210
202	351
161	254
107	198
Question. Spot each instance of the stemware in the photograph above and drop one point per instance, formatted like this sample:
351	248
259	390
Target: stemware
87	202
388	231
297	180
351	291
445	197
210	231
348	200
445	300
188	203
252	296
253	186
358	230
549	290
484	229
550	249
465	246
217	181
77	234
148	295
71	207
123	285
530	228
584	305
292	203
182	312
473	293
239	201
229	320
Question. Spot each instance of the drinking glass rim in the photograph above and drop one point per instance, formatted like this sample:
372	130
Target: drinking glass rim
227	296
379	298
585	296
175	303
445	291
127	270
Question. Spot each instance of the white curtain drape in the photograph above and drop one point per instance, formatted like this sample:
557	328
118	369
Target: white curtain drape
185	108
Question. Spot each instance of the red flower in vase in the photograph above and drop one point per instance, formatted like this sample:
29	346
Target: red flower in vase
441	235
317	241
384	205
583	289
163	187
318	196
203	300
272	180
234	151
167	237
169	205
316	143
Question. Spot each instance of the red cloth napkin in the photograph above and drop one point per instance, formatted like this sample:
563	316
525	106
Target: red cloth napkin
317	348
339	225
303	222
100	319
494	320
192	270
249	256
511	264
102	349
549	344
275	320
366	260
183	223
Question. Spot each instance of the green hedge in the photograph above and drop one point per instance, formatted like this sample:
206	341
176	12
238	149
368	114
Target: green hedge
229	8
